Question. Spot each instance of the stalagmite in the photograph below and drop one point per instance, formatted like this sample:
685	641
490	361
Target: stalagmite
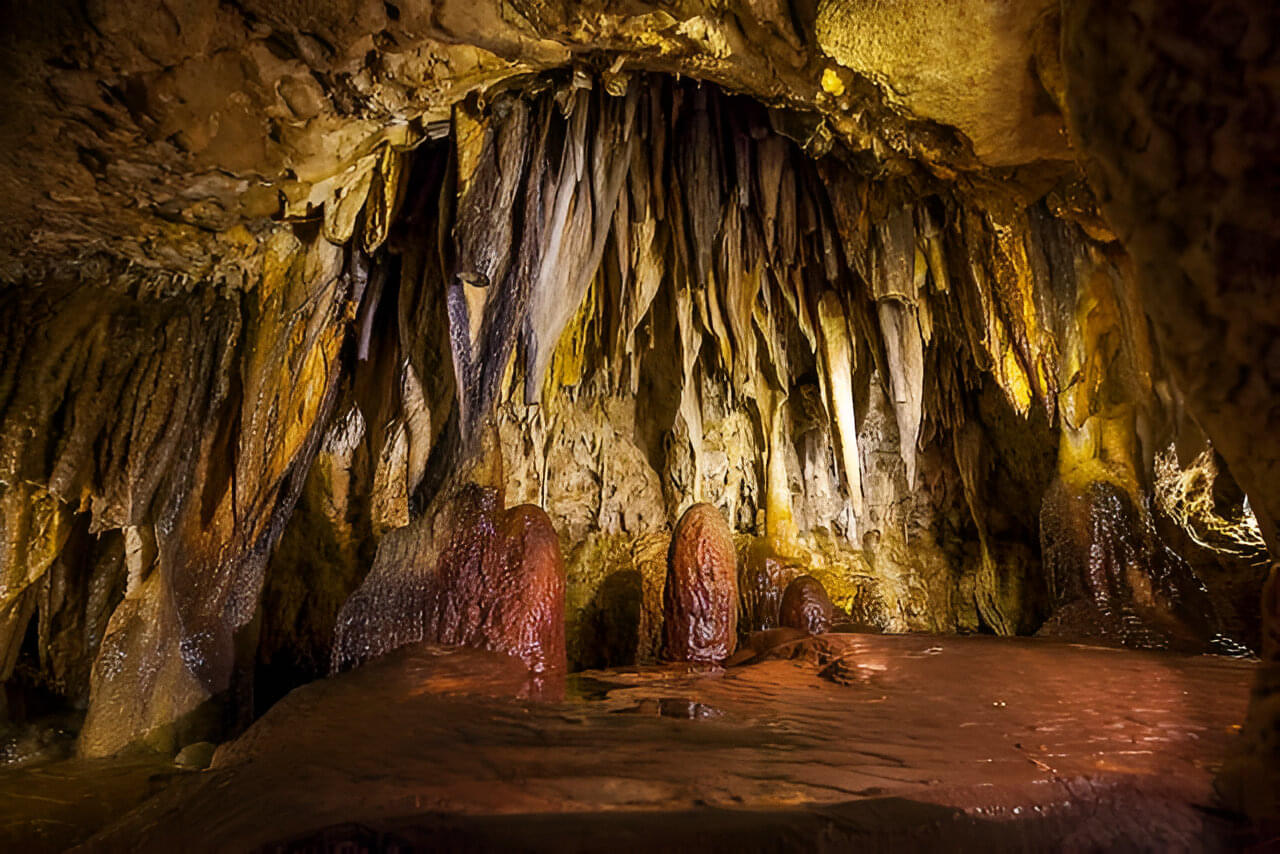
499	584
806	606
278	432
700	598
1111	574
762	579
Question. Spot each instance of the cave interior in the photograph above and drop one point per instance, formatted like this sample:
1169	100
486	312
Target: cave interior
548	425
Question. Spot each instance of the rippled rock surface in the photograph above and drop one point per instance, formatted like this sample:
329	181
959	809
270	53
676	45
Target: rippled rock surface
877	741
1115	580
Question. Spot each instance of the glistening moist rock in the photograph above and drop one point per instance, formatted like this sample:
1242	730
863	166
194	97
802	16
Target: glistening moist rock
943	743
700	601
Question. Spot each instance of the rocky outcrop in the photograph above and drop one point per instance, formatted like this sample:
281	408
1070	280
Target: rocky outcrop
806	606
500	585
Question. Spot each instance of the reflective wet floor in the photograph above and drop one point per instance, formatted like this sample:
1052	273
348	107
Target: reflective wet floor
874	741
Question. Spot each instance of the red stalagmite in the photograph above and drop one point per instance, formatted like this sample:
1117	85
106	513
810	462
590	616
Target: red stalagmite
700	599
806	606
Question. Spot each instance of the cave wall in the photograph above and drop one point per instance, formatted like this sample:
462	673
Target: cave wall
1174	112
187	424
620	436
691	308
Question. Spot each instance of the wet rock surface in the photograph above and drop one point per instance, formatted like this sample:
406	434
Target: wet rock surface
483	577
968	740
763	577
832	266
806	606
500	585
700	599
1114	580
681	295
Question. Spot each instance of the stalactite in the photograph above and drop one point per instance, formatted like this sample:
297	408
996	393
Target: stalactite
171	643
690	408
894	286
590	177
492	155
838	355
967	442
645	240
905	353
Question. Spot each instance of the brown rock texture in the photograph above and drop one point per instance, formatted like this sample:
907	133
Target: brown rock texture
806	606
1176	113
1174	109
700	600
1111	576
267	271
762	579
493	579
500	585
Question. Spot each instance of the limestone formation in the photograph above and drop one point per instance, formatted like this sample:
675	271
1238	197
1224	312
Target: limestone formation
700	599
500	585
806	606
482	576
763	576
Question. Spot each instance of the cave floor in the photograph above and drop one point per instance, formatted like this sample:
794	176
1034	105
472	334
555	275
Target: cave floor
875	741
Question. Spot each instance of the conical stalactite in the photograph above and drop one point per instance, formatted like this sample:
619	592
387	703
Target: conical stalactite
770	275
331	329
492	155
589	180
894	287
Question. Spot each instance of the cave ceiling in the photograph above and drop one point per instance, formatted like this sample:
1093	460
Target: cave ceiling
177	135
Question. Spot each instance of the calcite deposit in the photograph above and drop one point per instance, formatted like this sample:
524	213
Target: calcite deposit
500	584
